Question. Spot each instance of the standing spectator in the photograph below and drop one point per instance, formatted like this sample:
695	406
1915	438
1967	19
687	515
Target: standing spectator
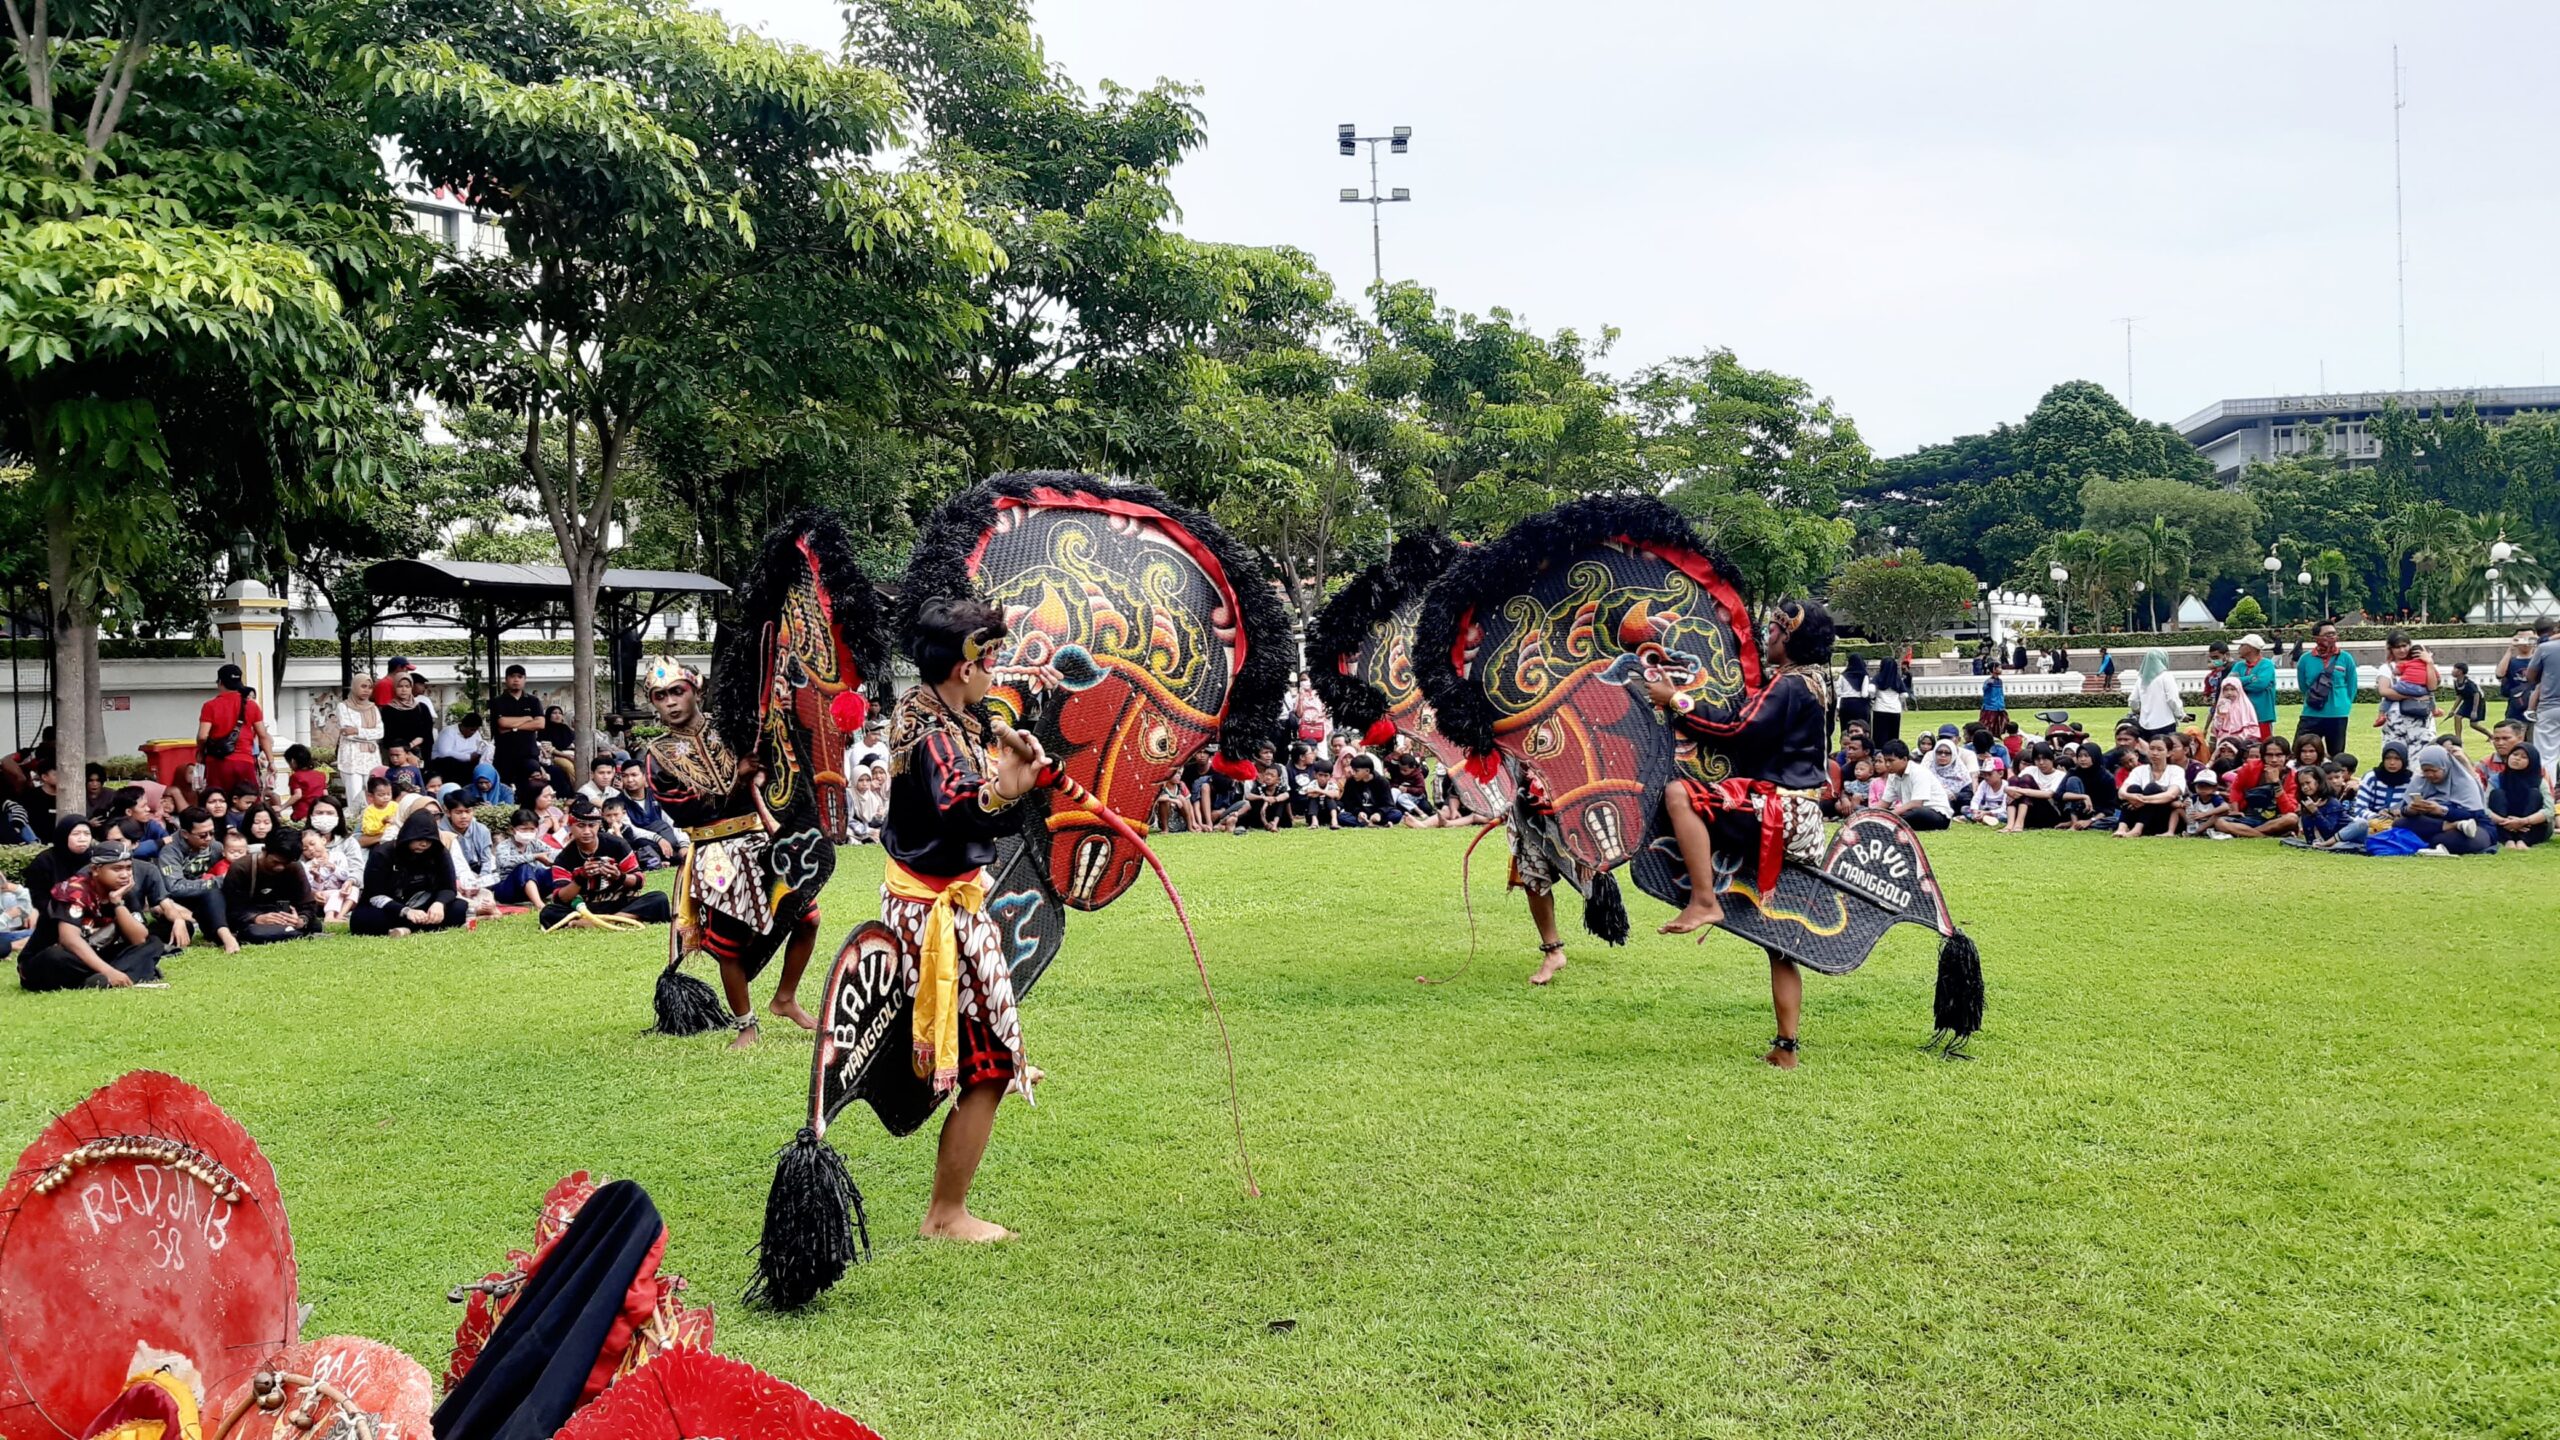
869	749
409	721
2520	800
359	740
1856	696
1886	708
2217	664
2512	686
1313	723
2407	687
517	718
2233	717
2157	706
2541	676
1995	700
2257	676
231	733
2106	666
386	687
2327	677
1913	793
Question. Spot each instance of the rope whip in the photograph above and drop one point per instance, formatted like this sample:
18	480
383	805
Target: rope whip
1466	892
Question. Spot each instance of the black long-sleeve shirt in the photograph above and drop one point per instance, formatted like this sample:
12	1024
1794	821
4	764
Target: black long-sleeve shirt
936	826
1776	736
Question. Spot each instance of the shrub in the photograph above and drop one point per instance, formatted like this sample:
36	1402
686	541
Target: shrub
2246	616
14	859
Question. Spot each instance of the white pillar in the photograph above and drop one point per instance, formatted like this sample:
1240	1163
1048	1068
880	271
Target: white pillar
247	617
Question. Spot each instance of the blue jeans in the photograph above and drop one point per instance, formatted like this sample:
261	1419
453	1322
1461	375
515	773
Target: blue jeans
526	884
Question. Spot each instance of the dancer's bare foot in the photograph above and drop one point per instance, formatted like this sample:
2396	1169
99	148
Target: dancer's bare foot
1783	1059
745	1039
962	1226
1547	968
1698	915
788	1007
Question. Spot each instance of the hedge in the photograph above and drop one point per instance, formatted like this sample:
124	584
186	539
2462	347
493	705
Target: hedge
14	859
2143	639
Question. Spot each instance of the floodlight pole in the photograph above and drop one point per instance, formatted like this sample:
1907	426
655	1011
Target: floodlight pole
1346	136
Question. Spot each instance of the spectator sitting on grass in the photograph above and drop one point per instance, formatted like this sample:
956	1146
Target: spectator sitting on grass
2206	803
1266	802
2520	800
17	914
522	862
304	781
1367	801
2098	783
1948	768
1989	802
1911	792
326	874
2038	796
656	839
1312	794
2153	795
408	882
98	940
475	854
271	896
186	862
599	871
604	782
2445	808
2320	801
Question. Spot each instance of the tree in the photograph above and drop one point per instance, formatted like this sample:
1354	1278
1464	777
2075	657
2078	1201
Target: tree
2163	555
2317	502
1780	549
2435	540
1473	422
192	270
2245	614
2218	528
632	154
1901	597
1711	420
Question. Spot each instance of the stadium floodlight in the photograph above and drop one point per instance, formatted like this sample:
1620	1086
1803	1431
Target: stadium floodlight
1348	140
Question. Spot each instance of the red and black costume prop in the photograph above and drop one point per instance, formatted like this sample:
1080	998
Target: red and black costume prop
1538	645
760	847
147	1292
1360	658
1138	632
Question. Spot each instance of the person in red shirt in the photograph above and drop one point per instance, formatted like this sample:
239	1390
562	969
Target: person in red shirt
382	688
231	734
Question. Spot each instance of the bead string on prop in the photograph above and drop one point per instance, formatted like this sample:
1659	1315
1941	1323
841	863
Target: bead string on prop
150	1149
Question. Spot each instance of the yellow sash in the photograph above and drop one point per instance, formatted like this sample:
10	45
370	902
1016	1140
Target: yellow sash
937	1019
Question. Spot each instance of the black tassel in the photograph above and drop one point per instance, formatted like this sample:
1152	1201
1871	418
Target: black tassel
1604	910
1959	1002
814	1228
687	1006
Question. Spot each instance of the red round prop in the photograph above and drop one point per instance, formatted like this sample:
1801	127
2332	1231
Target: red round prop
382	1382
144	1216
696	1395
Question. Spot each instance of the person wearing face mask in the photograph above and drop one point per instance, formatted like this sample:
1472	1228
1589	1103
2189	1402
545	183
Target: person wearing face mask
521	861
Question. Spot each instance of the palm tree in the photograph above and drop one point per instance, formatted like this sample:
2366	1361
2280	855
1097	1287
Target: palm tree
2162	553
2329	569
2435	537
2466	584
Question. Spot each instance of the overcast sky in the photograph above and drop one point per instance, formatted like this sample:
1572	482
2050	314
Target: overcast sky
1932	212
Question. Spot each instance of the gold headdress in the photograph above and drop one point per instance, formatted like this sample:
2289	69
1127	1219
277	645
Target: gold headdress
665	673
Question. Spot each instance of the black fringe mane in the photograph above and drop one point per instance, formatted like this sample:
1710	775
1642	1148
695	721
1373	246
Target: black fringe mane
939	569
737	673
1342	626
1500	567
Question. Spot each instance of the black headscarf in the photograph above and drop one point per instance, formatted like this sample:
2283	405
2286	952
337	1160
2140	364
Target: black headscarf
1857	669
1888	674
2096	778
2521	792
58	862
395	870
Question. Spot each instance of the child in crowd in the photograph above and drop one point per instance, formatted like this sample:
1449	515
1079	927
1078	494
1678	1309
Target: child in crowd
400	767
1267	800
333	884
2415	671
2320	803
2205	805
17	914
869	806
522	861
379	806
235	856
303	782
1989	804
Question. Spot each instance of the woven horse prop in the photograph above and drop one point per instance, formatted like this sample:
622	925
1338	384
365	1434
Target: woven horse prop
1535	646
1360	658
148	1291
788	679
1139	634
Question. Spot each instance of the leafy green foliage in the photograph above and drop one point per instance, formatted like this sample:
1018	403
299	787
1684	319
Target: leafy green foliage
1901	596
2246	614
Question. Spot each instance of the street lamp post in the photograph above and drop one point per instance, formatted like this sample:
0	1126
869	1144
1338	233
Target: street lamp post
2139	586
2061	579
1348	139
2275	585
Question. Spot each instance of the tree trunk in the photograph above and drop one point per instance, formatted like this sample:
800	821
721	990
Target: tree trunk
67	617
586	573
93	704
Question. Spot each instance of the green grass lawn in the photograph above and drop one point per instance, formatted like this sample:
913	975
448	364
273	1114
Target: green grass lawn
2255	1146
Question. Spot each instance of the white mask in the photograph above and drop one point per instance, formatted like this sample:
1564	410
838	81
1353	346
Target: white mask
524	837
324	823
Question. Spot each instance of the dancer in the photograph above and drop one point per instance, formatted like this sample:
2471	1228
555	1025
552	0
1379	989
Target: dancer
722	890
955	776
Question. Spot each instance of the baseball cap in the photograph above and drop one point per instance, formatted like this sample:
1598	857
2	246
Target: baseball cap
582	808
398	663
228	677
109	852
2253	641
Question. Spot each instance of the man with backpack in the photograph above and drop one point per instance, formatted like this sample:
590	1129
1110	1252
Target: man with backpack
231	734
2327	677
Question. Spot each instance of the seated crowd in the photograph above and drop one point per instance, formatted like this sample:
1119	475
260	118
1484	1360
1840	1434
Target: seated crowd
2435	799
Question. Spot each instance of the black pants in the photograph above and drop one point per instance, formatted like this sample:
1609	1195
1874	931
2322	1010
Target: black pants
648	907
211	911
372	919
1884	725
1925	819
55	968
2332	731
254	933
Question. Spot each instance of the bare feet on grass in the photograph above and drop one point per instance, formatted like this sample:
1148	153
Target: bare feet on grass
1783	1059
962	1226
788	1007
1548	967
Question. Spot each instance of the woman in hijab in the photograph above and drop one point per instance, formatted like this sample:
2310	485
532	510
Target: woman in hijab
1856	695
560	748
270	898
2520	801
66	856
2234	718
2444	806
408	882
410	720
2089	766
1951	771
1886	703
359	738
2156	704
2378	799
